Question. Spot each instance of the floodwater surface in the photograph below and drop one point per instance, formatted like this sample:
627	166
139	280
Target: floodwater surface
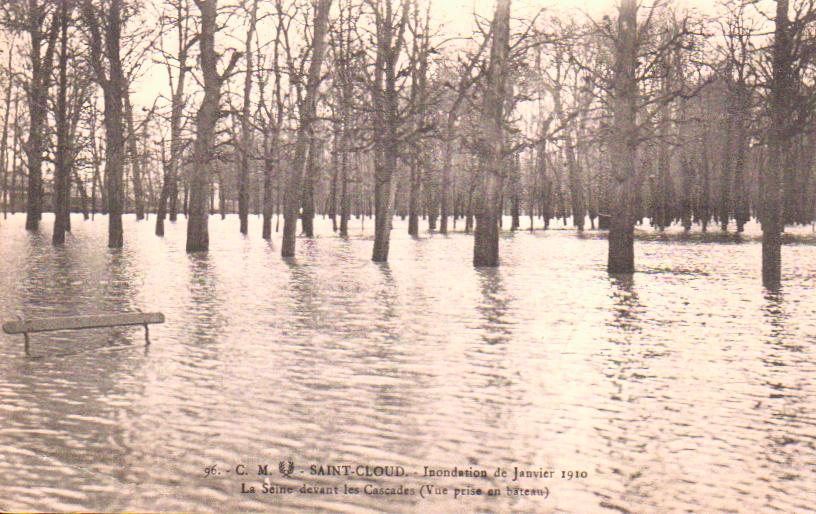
686	387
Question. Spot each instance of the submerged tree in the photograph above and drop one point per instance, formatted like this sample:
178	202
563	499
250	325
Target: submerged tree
41	21
308	111
791	103
246	132
623	142
779	146
62	177
198	238
104	25
491	143
271	112
391	22
177	70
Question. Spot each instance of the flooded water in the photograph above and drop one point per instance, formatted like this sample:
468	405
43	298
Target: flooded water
685	388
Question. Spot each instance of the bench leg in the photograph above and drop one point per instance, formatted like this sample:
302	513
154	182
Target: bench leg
25	335
147	335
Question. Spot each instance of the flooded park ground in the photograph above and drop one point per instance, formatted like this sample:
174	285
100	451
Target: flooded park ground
686	387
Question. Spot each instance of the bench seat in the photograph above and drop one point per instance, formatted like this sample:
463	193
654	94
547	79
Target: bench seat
34	325
81	322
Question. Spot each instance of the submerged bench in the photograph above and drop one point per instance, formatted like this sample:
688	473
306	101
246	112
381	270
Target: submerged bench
33	325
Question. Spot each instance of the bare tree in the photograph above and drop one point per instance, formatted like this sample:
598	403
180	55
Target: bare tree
246	128
345	47
177	81
62	178
198	238
271	115
40	20
4	138
307	114
779	145
390	37
419	104
561	71
105	45
135	160
467	71
623	142
491	141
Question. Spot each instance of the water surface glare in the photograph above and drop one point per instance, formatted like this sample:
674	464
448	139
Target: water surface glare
684	388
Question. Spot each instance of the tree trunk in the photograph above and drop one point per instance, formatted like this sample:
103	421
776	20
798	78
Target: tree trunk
198	237
431	195
778	150
161	209
664	215
185	205
577	200
96	178
413	196
307	114
345	196
686	170
741	210
135	162
222	196
246	129
15	165
384	196
176	112
114	86
333	186
621	257
270	161
4	141
37	109
114	129
62	178
114	168
488	210
724	207
705	194
172	214
386	101
469	207
307	200
83	194
447	161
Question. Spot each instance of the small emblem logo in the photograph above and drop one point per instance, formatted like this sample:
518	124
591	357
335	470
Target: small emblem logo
286	468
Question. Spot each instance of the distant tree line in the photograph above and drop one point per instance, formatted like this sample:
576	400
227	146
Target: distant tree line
652	115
